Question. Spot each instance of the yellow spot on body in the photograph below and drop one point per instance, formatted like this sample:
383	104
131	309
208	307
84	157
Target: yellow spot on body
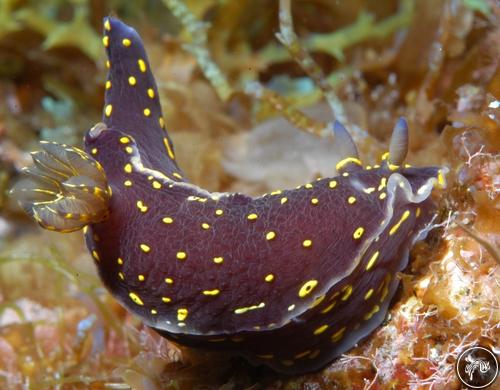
108	84
181	255
385	291
94	151
161	121
368	294
156	185
346	161
314	201
129	149
307	287
314	354
358	233
386	281
347	292
270	236
136	299
372	261
308	186
441	179
95	255
144	248
166	299
121	275
169	149
124	140
338	335
320	330
395	228
384	156
182	314
283	200
175	174
317	301
168	220
211	292
141	278
141	206
277	192
205	226
128	168
328	308
242	310
302	354
252	217
374	310
369	190
417	212
291	307
219	212
142	65
108	64
383	183
382	196
217	340
151	93
345	174
147	112
132	80
154	312
108	109
126	42
307	243
351	200
107	25
119	261
218	260
332	184
269	278
105	41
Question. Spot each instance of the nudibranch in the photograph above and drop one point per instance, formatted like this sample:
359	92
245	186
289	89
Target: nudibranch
290	279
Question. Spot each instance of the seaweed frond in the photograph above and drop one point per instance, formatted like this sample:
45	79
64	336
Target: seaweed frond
291	114
289	39
198	47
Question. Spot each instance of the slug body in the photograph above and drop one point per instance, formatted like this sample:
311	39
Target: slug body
291	279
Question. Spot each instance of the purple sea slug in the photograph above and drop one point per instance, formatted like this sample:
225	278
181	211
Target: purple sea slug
291	279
